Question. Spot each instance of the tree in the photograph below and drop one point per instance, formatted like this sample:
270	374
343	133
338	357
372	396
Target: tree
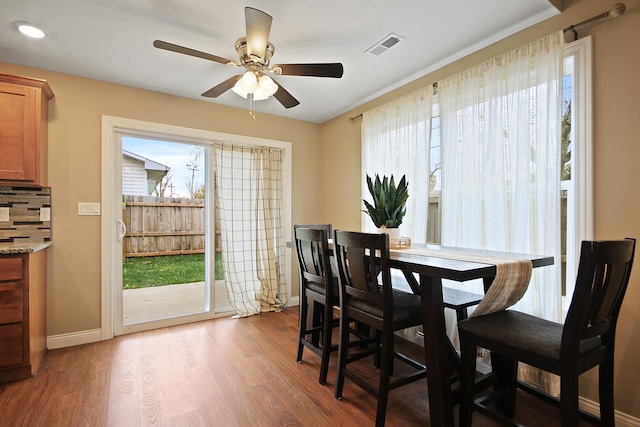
196	191
165	187
199	193
565	155
433	178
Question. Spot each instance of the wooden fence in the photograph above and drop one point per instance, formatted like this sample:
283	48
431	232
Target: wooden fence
163	226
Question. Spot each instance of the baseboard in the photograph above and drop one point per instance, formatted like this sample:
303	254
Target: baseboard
593	408
622	419
74	338
95	335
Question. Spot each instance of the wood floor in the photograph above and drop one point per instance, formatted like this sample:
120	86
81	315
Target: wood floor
223	372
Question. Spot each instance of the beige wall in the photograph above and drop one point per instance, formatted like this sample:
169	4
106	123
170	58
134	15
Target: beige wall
616	130
329	190
75	115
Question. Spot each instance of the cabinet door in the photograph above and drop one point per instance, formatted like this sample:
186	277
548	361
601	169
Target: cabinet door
11	344
11	268
18	132
11	290
11	302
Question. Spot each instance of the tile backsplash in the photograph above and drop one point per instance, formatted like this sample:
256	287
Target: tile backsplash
29	218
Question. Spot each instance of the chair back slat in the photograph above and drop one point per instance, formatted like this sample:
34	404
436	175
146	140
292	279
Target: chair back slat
313	254
603	276
357	270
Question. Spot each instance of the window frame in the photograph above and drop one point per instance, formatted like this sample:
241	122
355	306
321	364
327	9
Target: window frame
581	210
112	128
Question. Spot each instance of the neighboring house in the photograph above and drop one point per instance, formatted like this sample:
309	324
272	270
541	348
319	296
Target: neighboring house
141	176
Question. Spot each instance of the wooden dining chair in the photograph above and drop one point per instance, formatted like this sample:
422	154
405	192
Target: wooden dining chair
586	340
318	293
362	260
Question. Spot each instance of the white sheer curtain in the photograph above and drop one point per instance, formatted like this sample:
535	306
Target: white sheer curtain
395	141
501	124
249	209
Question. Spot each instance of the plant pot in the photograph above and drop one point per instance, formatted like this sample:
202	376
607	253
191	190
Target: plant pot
394	233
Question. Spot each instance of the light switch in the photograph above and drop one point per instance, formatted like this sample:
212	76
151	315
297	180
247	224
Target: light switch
88	208
45	214
4	214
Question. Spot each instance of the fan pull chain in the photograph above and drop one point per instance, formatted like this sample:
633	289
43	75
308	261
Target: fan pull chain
252	105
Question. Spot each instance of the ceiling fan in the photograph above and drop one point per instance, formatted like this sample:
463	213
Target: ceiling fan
255	52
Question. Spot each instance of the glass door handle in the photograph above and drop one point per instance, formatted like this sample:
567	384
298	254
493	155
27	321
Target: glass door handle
123	227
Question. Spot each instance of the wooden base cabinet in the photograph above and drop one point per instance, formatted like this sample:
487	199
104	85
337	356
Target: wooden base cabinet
23	334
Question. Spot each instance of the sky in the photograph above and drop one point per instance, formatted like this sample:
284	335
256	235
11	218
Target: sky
173	154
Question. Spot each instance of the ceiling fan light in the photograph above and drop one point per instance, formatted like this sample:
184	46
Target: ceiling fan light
249	82
259	95
268	86
237	88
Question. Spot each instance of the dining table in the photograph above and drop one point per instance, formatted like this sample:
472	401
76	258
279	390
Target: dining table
432	264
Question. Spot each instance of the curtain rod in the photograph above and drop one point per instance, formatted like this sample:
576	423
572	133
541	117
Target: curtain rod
615	11
359	116
354	118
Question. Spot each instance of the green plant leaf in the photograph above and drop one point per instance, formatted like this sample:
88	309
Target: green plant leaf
389	201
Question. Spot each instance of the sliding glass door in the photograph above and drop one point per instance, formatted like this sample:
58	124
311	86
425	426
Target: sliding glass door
167	241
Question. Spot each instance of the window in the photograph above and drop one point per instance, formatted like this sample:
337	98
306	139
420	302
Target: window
575	164
577	182
435	178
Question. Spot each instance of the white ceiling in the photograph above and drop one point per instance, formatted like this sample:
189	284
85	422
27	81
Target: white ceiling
111	40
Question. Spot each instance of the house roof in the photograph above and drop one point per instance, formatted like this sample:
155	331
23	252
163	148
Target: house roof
148	163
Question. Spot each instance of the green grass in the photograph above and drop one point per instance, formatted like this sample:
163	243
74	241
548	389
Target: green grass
145	272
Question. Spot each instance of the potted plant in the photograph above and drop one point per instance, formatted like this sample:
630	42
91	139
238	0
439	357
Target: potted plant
389	203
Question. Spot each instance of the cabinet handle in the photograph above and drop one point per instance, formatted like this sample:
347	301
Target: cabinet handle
123	227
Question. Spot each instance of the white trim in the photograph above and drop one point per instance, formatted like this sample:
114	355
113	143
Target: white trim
589	406
584	134
112	127
107	227
582	159
622	419
74	338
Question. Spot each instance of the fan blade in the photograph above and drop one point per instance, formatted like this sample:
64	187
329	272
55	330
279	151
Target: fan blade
258	28
285	98
334	69
192	52
218	90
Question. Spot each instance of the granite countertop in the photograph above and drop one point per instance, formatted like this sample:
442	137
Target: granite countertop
23	247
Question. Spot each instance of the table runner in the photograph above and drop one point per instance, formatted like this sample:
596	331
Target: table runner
509	285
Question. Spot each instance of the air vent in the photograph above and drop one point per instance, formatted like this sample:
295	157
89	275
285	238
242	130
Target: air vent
384	45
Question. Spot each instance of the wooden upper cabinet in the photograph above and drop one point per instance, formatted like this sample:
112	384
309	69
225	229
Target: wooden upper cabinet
23	130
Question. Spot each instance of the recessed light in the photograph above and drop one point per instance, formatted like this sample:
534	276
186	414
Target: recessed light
29	30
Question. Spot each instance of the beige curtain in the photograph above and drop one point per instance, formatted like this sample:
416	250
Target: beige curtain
249	209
